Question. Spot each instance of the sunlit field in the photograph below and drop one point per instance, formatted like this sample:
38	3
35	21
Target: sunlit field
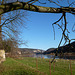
37	66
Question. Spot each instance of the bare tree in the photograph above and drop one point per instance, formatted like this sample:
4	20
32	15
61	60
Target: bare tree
11	24
9	45
58	6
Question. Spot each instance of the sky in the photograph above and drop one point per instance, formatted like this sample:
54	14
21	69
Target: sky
39	32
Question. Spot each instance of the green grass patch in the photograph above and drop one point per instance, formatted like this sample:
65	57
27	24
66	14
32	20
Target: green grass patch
27	66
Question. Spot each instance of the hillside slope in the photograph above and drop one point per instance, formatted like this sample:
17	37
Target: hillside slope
69	48
29	50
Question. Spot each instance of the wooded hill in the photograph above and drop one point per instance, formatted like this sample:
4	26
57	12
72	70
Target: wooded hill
69	48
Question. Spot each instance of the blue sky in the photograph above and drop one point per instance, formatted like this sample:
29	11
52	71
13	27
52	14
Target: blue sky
39	32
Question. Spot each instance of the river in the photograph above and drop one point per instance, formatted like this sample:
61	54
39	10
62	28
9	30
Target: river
45	56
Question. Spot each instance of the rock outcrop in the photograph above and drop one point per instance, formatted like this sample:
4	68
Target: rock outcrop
2	56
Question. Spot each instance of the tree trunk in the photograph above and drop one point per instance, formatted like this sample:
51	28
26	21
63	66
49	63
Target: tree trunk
2	52
0	34
0	29
0	39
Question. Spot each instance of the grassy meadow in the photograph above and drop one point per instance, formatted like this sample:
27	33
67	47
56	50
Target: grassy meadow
36	66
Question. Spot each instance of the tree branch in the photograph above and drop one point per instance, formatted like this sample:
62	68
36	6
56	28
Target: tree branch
23	5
